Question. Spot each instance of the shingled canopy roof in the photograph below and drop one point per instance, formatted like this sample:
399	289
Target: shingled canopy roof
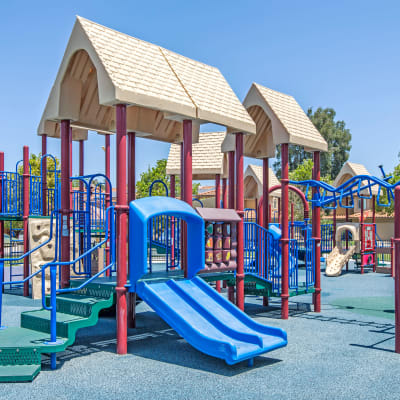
207	159
279	119
253	182
102	67
351	169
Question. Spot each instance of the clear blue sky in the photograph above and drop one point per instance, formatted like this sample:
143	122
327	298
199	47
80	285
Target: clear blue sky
340	54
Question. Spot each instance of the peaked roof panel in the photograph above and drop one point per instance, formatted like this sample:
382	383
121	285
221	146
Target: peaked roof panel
142	74
351	169
207	159
290	124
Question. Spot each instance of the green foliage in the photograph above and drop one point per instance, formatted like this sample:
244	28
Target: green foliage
301	173
304	172
158	172
335	134
384	198
34	162
337	137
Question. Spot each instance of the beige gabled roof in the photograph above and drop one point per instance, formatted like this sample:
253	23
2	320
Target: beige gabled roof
349	170
253	182
207	159
102	67
279	119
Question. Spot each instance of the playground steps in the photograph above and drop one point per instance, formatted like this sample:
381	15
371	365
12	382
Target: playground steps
21	348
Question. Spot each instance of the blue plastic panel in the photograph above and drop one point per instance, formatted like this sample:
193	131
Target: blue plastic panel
141	211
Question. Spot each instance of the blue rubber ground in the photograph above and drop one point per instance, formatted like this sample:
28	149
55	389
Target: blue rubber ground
338	354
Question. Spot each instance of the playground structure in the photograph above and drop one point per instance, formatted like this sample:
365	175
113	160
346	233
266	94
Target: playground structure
92	91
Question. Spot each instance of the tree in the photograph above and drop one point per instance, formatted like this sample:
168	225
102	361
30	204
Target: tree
35	161
337	137
335	134
158	172
395	177
304	172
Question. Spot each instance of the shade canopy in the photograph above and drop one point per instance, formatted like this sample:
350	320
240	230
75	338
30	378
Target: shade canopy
207	158
102	67
253	182
279	119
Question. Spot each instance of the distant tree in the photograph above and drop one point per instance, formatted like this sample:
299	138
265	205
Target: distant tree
335	134
337	137
34	161
304	172
158	172
395	177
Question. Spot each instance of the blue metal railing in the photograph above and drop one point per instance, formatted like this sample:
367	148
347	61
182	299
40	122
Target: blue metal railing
110	236
164	236
262	257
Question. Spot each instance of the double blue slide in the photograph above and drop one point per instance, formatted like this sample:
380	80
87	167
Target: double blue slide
203	317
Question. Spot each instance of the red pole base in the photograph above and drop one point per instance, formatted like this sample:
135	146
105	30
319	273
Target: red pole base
265	301
240	291
285	306
317	300
122	334
218	286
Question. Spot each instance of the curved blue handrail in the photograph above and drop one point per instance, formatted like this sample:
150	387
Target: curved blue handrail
355	185
199	201
158	181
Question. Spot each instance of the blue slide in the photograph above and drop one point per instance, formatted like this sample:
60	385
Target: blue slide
208	321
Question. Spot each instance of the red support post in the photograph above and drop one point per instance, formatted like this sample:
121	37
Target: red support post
347	232
265	208
265	191
131	166
121	207
231	204
217	191
392	257
1	209
240	233
187	161
224	194
285	230
183	225
362	236
218	205
187	178
81	189
44	175
26	185
334	228
71	199
131	300
172	193
397	267
65	200
374	222
316	232
172	188
231	188
108	194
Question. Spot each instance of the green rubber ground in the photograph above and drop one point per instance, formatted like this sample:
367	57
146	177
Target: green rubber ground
382	307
